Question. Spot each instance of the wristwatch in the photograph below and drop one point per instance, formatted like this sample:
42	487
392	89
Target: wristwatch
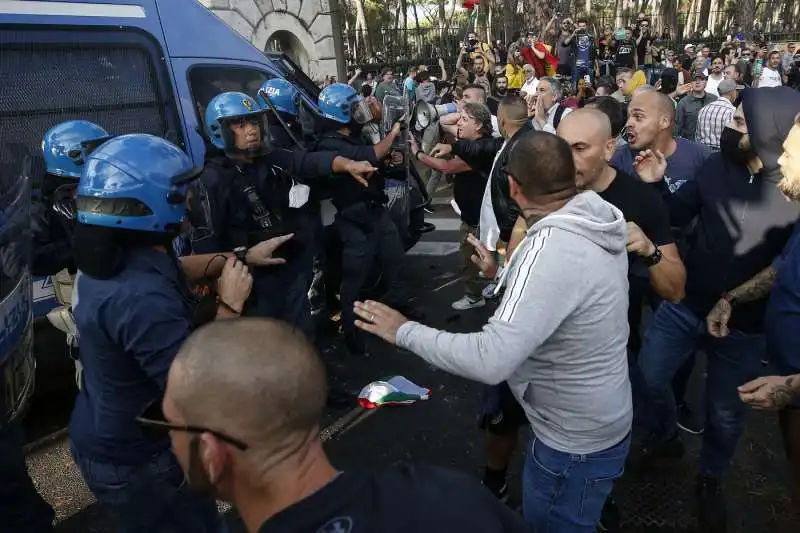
653	259
241	253
728	297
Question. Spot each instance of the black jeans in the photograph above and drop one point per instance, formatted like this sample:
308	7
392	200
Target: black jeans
367	233
21	507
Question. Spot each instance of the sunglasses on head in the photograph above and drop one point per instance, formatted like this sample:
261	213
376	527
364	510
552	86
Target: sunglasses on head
154	425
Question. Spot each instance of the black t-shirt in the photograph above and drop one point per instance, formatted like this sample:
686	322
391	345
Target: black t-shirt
641	47
642	204
625	54
468	187
398	500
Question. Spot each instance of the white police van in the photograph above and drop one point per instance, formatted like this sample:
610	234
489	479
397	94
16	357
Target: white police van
131	66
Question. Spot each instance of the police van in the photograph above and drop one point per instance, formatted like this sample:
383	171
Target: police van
131	66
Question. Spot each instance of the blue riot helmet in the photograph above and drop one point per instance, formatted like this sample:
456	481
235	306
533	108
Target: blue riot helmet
282	95
137	182
341	103
65	146
236	124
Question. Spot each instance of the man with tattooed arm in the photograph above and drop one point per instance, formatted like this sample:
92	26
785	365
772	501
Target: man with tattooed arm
782	282
741	225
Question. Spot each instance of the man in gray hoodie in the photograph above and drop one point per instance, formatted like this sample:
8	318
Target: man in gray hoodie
558	337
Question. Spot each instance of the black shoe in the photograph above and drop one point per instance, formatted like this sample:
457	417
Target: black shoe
687	421
610	521
501	493
427	227
664	449
712	512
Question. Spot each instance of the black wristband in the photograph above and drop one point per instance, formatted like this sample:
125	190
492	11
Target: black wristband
227	306
653	259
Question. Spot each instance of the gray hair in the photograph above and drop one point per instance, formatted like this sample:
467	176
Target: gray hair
480	113
555	87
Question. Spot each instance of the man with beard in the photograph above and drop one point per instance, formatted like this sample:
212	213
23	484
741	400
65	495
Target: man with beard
782	392
716	75
247	432
727	267
500	90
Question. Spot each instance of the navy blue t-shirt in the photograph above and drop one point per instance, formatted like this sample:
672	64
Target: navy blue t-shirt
131	326
782	319
681	165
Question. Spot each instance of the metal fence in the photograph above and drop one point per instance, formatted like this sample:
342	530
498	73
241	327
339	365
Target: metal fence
401	47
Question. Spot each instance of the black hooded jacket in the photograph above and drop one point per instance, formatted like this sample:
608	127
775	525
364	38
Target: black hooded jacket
743	221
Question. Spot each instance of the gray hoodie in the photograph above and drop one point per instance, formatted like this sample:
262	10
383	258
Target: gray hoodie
559	335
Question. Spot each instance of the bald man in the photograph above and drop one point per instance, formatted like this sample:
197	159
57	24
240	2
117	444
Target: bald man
651	116
245	427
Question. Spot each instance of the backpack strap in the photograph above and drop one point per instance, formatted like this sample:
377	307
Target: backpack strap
559	113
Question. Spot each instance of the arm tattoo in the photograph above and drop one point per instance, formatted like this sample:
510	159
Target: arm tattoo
756	287
782	394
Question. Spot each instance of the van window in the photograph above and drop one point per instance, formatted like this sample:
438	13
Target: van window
207	81
44	83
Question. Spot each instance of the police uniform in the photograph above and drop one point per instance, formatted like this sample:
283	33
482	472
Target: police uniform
133	311
366	231
240	195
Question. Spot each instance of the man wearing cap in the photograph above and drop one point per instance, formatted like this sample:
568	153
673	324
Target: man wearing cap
558	337
713	118
690	105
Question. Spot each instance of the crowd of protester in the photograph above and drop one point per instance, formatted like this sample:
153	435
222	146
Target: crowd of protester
657	132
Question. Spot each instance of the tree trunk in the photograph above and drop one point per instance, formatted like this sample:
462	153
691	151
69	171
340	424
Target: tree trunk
746	16
509	19
442	30
361	28
703	16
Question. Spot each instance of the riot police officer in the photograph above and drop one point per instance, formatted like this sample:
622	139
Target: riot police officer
64	147
133	311
254	195
285	100
363	224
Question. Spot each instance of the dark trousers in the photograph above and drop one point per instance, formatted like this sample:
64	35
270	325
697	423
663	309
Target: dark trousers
21	507
367	233
642	294
281	292
152	497
673	335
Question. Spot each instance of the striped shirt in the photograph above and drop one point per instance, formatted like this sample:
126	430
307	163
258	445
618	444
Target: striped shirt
712	119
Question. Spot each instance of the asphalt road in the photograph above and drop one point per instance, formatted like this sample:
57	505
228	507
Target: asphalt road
442	431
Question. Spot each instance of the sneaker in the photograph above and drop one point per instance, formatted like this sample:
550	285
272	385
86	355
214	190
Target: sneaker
610	521
469	302
712	513
688	422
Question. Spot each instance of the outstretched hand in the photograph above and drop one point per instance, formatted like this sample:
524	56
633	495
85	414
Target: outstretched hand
379	319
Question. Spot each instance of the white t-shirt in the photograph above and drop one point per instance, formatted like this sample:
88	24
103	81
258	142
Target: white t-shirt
770	78
495	127
712	84
529	87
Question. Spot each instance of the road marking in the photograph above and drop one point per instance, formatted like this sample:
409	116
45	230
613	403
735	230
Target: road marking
433	249
451	282
440	200
445	224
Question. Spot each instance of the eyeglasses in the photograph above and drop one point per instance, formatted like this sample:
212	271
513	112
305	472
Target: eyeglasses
155	425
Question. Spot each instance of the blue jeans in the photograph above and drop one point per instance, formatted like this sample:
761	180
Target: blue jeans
671	338
579	72
150	498
565	493
21	507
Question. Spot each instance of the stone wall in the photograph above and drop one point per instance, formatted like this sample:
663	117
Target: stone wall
308	22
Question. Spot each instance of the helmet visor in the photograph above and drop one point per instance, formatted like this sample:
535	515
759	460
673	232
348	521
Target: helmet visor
360	112
198	212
